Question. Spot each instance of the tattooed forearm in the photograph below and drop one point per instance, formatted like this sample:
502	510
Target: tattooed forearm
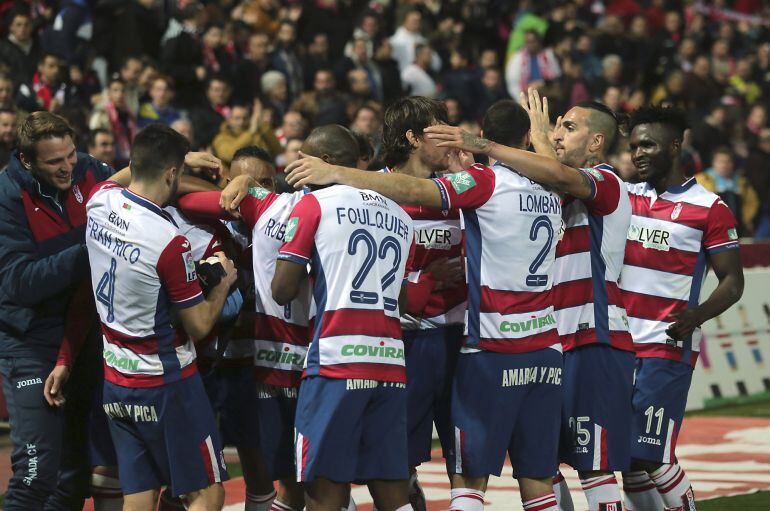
478	144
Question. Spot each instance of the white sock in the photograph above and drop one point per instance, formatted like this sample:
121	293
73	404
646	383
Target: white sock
561	491
405	507
351	505
465	499
542	503
674	486
641	493
107	494
264	502
602	493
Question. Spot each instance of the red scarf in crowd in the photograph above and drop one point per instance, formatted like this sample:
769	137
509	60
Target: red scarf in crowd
123	134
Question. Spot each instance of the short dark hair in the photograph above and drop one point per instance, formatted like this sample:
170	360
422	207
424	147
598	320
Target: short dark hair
365	146
603	120
40	126
252	151
156	148
506	122
335	141
672	118
91	139
410	113
47	54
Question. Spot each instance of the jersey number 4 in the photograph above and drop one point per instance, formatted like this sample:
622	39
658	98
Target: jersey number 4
388	244
105	291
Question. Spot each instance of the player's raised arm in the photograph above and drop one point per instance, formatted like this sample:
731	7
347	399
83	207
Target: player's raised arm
189	184
401	188
545	170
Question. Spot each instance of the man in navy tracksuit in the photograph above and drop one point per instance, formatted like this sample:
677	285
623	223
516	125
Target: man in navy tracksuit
43	258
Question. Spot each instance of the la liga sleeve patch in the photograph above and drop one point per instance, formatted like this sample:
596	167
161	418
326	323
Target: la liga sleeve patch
461	182
291	229
189	266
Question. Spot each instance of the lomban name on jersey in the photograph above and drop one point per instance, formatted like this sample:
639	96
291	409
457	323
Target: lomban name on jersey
547	204
120	248
527	375
649	238
379	219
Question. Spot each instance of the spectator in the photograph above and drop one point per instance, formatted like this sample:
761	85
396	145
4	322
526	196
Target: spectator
182	55
584	55
406	39
460	82
327	16
130	72
285	58
454	111
6	93
244	127
613	98
8	120
756	170
492	90
290	153
741	84
531	66
388	67
184	127
672	92
208	116
702	89
317	57
47	91
259	15
216	58
159	108
416	77
247	73
20	51
710	133
733	188
612	75
756	121
114	116
101	145
357	56
293	126
324	104
275	92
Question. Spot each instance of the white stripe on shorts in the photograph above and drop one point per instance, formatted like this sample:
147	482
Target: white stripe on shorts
214	461
458	451
597	447
669	438
298	453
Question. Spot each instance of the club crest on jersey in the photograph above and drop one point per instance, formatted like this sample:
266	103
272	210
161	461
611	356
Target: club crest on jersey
461	182
258	192
677	210
189	265
78	194
291	228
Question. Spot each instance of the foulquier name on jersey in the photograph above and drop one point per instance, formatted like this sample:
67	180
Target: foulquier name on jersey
378	219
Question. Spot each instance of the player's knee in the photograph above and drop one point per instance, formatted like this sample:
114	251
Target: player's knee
588	474
291	492
208	499
105	483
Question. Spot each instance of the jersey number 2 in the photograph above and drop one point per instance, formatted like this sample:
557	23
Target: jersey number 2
105	290
388	244
541	222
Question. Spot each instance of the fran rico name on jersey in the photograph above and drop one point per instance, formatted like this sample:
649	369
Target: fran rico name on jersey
120	248
546	204
527	375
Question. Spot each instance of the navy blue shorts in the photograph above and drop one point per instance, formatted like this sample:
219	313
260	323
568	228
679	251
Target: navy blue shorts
431	357
165	436
506	403
596	417
233	398
660	397
101	448
276	408
351	430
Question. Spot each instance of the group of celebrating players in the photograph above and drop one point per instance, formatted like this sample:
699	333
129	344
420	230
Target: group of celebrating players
537	307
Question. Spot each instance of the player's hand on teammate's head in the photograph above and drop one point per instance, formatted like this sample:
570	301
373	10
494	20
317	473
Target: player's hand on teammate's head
309	170
53	390
537	109
454	136
231	273
234	193
204	162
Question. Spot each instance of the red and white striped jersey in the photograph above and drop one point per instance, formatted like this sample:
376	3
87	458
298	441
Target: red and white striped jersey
140	267
437	234
358	244
281	335
669	240
205	241
510	225
589	258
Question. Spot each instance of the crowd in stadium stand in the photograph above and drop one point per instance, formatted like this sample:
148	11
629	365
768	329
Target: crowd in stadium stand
228	74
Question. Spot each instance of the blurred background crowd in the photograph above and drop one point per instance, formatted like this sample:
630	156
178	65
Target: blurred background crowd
228	74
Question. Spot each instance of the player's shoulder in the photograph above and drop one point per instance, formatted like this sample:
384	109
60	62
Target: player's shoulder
691	192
